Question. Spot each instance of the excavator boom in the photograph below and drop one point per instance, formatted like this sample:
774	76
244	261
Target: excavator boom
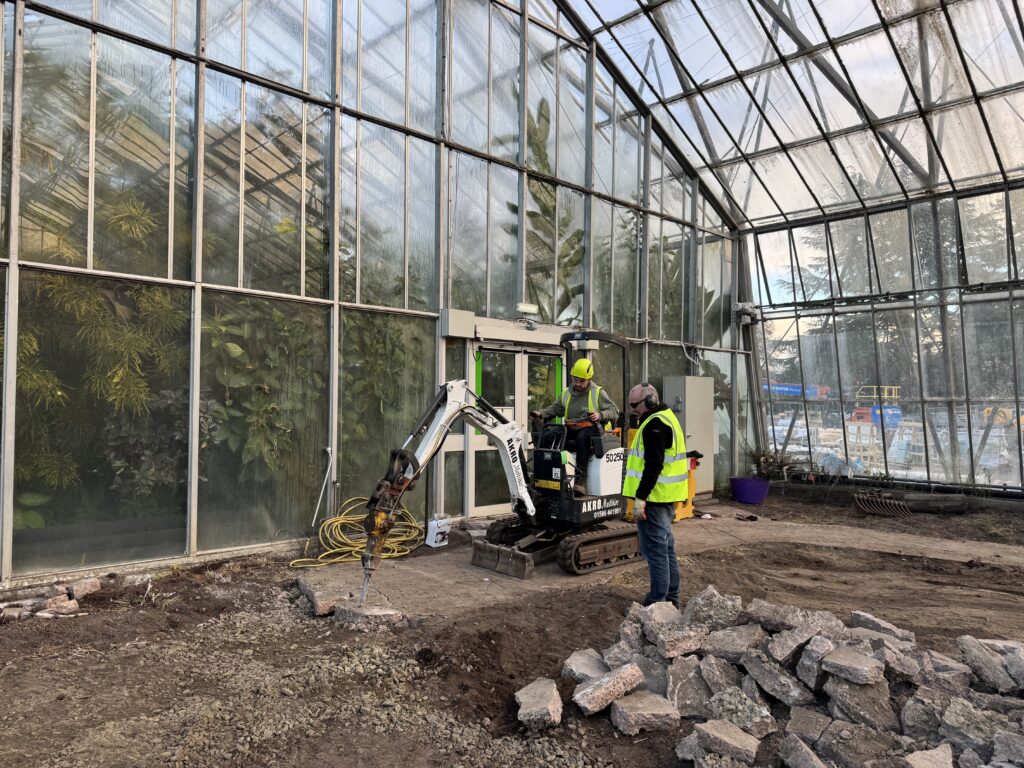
454	402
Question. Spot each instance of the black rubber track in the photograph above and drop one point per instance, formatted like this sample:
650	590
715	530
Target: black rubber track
571	547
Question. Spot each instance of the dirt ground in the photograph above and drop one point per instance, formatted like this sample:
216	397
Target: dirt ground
224	666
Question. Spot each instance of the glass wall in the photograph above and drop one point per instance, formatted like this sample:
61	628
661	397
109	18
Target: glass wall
207	239
894	374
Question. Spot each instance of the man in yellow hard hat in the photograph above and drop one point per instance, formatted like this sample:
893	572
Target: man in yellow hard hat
584	406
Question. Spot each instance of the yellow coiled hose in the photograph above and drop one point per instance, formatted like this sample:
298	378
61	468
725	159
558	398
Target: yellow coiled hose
342	538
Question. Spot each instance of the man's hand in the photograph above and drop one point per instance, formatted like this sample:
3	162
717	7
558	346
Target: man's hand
535	414
595	417
639	509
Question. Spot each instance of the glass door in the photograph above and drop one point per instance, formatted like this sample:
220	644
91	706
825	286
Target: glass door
515	382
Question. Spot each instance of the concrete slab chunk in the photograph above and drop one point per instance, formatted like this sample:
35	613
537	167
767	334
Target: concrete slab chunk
969	728
775	680
807	724
867	621
865	704
849	745
723	738
83	587
584	665
786	646
686	688
750	687
846	663
808	669
1008	747
322	601
774	618
986	664
676	639
796	754
736	707
942	757
712	609
921	716
688	748
731	643
540	706
369	618
644	711
660	613
618	654
861	633
719	674
594	695
1014	663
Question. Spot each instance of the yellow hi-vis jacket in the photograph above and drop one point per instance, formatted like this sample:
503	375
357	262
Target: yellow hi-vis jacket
673	482
571	406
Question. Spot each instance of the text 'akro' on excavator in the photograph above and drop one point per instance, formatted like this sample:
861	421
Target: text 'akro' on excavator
584	532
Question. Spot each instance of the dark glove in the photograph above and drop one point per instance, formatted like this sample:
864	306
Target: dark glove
535	414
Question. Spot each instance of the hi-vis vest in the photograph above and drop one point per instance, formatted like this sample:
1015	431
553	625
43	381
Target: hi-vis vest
593	403
673	482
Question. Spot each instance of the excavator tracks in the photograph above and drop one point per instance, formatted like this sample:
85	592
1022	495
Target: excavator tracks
606	546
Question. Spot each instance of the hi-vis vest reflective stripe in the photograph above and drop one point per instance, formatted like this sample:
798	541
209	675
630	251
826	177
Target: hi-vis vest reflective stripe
593	403
673	482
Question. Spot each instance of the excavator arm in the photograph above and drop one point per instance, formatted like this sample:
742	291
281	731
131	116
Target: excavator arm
454	402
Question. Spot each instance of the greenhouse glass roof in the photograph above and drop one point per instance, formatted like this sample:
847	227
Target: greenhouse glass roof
794	109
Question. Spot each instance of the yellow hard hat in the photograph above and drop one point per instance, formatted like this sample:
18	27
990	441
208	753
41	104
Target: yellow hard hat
582	369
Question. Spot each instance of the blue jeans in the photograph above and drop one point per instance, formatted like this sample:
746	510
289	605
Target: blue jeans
659	550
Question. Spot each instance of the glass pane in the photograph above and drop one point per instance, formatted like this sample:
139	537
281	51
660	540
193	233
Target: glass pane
133	100
782	356
103	422
673	279
572	116
454	369
628	148
503	241
467	228
876	75
491	483
540	138
317	195
686	31
379	408
454	483
422	215
184	169
5	125
54	142
813	263
942	361
273	41
221	178
862	395
824	177
382	59
948	447
224	31
850	257
263	382
543	382
957	131
824	409
929	52
994	435
775	260
911	152
989	369
897	354
156	20
905	439
569	275
864	160
991	41
710	281
1017	218
828	91
718	367
497	378
625	263
843	17
505	83
381	219
601	265
983	227
468	73
935	245
273	191
890	240
1006	119
423	99
654	267
320	56
347	213
541	247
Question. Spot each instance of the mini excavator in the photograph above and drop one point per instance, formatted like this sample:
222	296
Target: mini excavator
584	532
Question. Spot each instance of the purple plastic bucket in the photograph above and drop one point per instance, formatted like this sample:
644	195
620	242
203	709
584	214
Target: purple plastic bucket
749	490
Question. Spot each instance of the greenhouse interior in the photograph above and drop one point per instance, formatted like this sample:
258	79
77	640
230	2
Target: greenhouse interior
244	242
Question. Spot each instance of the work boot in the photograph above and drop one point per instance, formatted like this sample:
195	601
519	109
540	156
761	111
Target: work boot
579	487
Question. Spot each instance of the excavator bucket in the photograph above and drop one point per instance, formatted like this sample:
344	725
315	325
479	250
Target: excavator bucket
510	559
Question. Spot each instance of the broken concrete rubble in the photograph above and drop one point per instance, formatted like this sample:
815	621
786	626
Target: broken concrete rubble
584	665
643	711
892	704
540	706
